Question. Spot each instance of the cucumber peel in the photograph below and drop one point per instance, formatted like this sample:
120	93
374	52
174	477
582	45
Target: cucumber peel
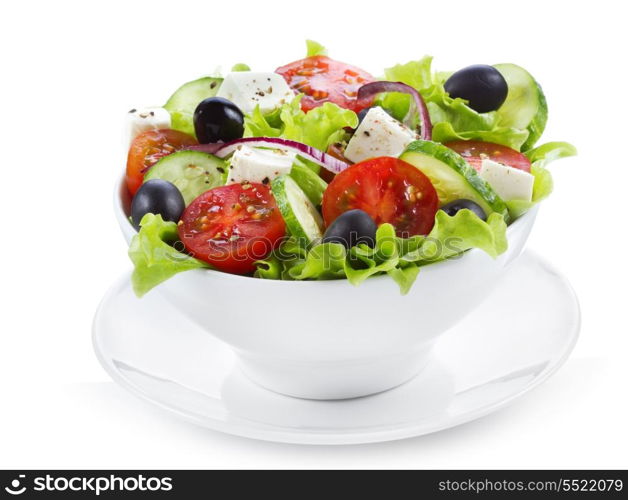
452	177
309	181
301	217
525	106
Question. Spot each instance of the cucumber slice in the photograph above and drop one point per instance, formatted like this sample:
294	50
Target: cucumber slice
193	172
302	219
309	181
452	177
525	106
183	102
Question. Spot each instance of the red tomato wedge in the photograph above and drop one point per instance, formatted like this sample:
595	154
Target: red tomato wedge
322	80
389	190
231	227
146	150
476	151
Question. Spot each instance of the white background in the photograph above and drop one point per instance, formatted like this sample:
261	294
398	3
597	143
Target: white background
70	70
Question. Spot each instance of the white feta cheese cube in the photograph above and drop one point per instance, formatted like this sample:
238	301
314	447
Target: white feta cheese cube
508	182
247	89
259	165
379	134
141	120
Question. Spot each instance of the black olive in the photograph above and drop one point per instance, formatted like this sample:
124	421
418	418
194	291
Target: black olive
158	197
217	119
483	86
362	114
453	207
351	228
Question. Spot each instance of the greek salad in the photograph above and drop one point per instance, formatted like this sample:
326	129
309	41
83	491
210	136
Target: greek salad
320	170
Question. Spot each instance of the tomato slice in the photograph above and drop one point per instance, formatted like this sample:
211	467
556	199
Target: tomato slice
147	148
232	226
476	151
389	190
322	80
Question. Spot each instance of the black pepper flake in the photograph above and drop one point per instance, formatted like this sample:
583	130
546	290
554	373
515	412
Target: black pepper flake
220	169
152	113
212	85
133	110
265	180
367	133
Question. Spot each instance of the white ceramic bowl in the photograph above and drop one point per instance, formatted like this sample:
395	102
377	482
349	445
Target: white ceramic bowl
330	339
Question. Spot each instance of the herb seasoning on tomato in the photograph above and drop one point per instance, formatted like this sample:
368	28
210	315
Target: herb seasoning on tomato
231	227
322	80
389	190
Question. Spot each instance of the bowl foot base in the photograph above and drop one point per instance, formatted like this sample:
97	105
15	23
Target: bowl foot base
334	379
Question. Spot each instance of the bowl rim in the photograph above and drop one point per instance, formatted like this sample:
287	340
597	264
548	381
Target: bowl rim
123	219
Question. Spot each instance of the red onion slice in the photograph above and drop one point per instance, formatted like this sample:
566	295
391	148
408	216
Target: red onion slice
370	90
312	154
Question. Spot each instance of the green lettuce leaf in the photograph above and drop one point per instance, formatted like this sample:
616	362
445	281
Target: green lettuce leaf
269	268
540	157
154	257
399	258
258	125
364	261
451	236
279	263
319	128
506	136
551	151
315	49
404	276
417	74
323	262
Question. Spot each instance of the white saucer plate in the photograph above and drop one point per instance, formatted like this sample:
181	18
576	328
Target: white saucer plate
519	336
